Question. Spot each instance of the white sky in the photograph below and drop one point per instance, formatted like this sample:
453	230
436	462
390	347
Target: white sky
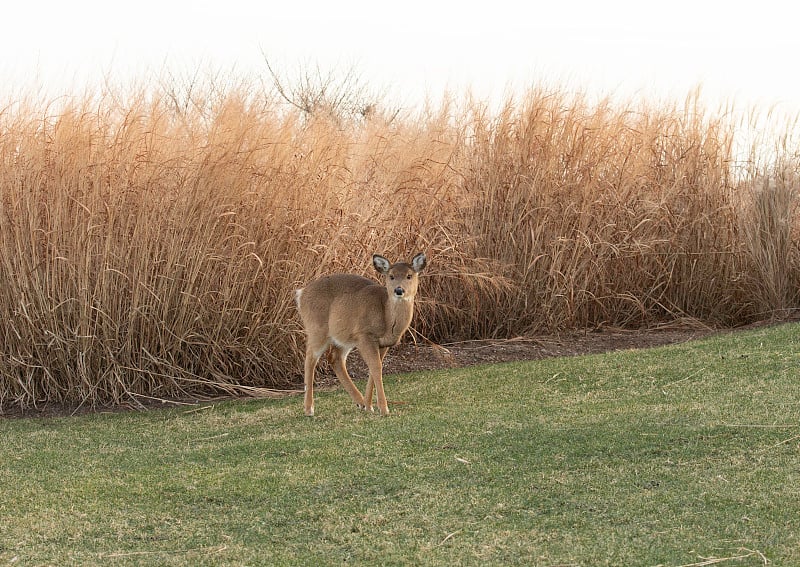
745	51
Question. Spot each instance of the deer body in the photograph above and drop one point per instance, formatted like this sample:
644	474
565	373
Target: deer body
346	311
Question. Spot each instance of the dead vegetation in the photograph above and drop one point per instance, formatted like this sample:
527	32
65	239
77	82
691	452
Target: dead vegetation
150	242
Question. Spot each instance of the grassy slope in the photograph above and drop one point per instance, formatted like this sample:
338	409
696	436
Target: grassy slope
653	457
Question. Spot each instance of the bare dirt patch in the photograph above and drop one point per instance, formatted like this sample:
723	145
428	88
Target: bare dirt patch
418	357
425	356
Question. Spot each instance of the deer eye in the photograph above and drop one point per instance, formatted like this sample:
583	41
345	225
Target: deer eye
408	277
391	277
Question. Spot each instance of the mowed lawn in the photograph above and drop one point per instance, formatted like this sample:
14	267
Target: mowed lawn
684	455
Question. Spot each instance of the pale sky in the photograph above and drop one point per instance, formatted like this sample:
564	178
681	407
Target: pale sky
746	51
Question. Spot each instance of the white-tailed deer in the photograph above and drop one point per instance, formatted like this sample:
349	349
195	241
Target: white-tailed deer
346	311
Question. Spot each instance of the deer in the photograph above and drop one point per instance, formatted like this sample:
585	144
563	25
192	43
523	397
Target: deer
347	311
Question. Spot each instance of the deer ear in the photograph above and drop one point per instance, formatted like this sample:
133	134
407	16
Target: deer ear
381	264
419	262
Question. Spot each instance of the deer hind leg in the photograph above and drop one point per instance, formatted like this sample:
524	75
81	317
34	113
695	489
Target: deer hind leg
313	352
373	356
371	384
310	365
339	363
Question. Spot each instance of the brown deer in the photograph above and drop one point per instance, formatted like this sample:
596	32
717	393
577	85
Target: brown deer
346	311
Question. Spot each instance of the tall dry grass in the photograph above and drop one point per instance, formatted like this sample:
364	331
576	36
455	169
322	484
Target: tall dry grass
149	243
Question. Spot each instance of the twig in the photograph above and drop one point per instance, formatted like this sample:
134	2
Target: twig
553	377
789	440
692	375
447	537
162	400
201	408
715	560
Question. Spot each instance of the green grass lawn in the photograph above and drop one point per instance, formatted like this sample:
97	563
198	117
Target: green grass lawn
685	455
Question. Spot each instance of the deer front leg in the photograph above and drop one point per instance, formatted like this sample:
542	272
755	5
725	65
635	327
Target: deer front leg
372	356
371	384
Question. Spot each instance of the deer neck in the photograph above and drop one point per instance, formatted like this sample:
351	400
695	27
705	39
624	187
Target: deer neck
397	314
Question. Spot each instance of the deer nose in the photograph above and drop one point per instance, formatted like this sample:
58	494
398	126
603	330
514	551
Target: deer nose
399	291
